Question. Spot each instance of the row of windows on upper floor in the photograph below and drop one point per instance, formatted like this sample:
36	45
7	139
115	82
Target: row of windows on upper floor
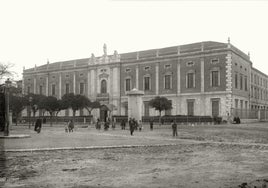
190	83
146	68
258	80
259	93
190	80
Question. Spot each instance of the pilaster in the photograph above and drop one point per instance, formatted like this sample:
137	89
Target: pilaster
47	86
34	85
202	75
228	83
137	77
88	84
157	79
74	80
60	85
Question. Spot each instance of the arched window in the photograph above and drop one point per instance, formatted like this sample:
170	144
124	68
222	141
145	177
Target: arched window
103	86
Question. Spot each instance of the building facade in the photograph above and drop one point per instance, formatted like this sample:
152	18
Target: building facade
204	78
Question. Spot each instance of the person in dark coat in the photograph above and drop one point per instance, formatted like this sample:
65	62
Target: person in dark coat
174	128
71	126
151	124
131	126
123	124
38	125
106	125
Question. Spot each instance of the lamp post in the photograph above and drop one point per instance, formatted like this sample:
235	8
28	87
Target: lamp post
29	113
7	86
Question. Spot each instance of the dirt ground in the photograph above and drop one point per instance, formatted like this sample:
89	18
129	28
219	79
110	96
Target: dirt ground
223	156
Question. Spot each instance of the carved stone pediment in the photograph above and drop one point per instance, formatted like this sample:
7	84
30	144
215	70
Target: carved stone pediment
104	75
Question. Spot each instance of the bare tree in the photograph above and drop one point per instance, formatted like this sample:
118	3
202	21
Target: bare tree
5	70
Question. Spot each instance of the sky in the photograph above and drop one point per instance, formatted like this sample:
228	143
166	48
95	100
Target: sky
35	31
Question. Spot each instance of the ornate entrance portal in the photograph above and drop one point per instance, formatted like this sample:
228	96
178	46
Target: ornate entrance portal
103	113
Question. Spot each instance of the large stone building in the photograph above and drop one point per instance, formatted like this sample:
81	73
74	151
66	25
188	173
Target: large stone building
204	78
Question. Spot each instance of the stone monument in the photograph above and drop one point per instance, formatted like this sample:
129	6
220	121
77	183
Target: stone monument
135	104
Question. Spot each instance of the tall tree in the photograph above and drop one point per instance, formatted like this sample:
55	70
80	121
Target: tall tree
92	105
17	104
75	102
160	104
51	105
34	101
5	70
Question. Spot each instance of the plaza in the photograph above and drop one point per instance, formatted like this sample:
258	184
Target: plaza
201	156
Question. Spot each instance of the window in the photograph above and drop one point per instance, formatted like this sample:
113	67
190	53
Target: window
190	80
103	86
246	83
167	82
167	66
146	108
28	89
67	76
82	88
215	107
246	104
236	80
128	86
147	84
214	61
67	88
241	81
190	64
190	107
40	90
215	81
53	89
236	103
168	112
128	70
146	68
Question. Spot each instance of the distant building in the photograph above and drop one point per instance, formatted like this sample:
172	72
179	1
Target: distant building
204	78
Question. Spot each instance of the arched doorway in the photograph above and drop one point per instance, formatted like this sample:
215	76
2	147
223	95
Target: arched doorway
103	113
103	86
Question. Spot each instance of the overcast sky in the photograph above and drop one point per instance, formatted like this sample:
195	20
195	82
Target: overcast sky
32	31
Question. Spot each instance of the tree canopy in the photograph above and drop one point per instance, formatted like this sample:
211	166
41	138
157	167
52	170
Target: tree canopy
75	102
5	70
160	104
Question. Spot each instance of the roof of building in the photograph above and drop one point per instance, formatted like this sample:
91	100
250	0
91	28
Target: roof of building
143	54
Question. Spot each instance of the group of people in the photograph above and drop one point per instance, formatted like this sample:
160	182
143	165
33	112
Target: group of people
106	124
133	125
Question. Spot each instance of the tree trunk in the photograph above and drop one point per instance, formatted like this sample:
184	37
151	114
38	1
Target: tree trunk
16	119
57	117
159	117
74	115
51	119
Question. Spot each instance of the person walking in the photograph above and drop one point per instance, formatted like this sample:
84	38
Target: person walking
174	128
71	126
113	123
131	126
123	124
38	125
151	124
98	124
